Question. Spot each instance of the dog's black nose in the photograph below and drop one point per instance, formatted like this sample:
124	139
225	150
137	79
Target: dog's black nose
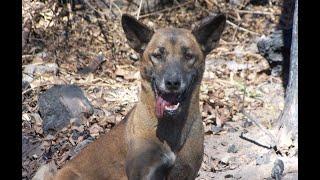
173	83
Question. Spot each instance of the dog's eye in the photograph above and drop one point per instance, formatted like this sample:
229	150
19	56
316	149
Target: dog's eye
189	56
155	58
157	55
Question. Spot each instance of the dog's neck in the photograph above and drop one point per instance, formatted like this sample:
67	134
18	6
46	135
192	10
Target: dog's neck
171	131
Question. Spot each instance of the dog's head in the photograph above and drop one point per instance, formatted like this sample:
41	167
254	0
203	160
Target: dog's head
173	59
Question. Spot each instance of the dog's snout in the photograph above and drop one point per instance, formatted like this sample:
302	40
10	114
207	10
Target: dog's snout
173	83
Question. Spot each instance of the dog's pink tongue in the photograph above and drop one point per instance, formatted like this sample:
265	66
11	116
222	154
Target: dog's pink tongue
160	104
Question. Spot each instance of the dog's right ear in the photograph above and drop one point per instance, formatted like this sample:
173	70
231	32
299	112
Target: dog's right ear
138	34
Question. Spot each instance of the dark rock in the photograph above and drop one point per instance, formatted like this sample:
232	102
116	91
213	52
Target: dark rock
276	71
232	149
61	103
228	176
271	47
264	159
247	123
277	169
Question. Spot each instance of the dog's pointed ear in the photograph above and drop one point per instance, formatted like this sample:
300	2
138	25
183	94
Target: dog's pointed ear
209	31
138	34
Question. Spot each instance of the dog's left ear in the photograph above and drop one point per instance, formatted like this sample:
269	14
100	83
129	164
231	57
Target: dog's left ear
208	32
138	34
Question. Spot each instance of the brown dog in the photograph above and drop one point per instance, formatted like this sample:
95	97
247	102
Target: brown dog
162	136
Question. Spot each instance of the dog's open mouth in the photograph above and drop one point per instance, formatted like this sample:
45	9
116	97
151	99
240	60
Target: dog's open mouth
167	103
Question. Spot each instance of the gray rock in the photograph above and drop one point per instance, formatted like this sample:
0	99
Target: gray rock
271	47
232	149
31	69
276	71
277	169
216	129
235	2
41	68
61	103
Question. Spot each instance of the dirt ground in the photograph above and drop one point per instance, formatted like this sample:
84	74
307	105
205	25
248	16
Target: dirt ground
236	76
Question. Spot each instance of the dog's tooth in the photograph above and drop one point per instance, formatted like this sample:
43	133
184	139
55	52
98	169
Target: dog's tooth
172	107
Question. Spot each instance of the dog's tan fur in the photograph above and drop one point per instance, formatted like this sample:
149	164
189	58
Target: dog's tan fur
139	147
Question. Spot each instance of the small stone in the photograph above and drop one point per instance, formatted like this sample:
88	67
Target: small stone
247	123
134	57
277	169
235	2
37	119
264	159
50	137
216	129
35	156
232	149
225	160
25	85
228	176
224	143
276	71
232	130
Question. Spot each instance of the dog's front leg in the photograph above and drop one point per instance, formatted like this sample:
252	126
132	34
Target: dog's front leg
148	161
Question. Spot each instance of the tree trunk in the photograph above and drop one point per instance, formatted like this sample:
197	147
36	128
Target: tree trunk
288	121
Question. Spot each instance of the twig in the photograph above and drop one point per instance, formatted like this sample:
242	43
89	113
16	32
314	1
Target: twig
167	9
209	117
241	28
254	142
32	88
117	7
235	33
256	12
138	13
